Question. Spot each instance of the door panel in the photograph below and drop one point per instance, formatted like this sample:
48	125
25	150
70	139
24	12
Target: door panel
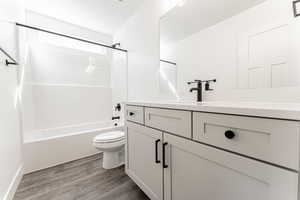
143	163
199	172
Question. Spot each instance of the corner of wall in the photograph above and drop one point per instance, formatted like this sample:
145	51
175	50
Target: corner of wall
9	195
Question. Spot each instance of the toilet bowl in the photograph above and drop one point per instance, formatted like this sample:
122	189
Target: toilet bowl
112	145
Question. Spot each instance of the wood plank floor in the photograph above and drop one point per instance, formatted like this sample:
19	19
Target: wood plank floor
84	179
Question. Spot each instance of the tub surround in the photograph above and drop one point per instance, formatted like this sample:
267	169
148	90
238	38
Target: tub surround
214	150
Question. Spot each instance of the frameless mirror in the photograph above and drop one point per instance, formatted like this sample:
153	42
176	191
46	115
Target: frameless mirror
247	44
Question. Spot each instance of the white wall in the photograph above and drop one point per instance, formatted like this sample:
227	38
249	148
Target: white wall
119	81
55	24
10	132
12	10
215	51
140	36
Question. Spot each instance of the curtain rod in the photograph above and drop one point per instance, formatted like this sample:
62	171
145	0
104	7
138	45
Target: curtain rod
68	36
169	62
14	62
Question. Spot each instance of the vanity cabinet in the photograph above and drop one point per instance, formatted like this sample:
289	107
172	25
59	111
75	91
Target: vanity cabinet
208	163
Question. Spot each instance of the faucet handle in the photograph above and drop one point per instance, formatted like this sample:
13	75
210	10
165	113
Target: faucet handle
207	84
195	81
207	87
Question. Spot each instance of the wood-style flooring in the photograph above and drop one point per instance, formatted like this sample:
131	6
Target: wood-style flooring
83	179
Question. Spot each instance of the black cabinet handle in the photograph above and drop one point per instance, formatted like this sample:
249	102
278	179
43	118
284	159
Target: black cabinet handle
131	113
229	134
164	155
156	151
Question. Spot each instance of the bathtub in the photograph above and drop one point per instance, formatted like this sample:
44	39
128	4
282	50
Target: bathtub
49	147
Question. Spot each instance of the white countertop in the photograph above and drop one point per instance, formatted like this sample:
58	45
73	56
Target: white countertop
289	111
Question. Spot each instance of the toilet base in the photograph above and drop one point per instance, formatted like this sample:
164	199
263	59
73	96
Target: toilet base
113	159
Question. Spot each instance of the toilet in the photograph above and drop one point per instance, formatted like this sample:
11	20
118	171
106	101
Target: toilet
112	145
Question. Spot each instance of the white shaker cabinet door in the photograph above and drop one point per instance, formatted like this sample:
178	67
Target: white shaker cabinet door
198	172
143	159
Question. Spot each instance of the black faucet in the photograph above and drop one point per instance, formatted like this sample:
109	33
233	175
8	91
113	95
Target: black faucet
199	87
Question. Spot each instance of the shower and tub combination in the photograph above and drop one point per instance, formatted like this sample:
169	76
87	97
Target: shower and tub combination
72	82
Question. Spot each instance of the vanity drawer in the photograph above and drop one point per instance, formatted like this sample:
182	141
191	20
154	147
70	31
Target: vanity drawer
270	140
173	121
135	114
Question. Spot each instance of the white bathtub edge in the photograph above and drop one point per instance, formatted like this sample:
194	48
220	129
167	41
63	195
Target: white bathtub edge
26	141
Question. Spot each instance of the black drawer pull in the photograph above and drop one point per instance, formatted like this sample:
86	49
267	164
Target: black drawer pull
156	151
131	113
164	155
229	134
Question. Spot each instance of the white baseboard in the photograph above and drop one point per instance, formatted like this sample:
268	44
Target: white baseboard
14	184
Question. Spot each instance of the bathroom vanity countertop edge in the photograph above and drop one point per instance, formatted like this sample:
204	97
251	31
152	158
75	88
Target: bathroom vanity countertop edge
286	111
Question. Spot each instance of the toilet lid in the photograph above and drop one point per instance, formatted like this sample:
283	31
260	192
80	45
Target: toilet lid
113	136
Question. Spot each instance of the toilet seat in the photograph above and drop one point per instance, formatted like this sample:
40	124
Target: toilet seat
110	137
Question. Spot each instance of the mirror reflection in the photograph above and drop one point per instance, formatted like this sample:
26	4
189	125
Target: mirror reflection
168	79
249	44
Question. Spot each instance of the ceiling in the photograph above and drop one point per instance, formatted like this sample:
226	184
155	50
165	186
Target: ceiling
105	16
196	15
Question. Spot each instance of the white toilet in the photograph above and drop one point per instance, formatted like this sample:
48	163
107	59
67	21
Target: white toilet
112	145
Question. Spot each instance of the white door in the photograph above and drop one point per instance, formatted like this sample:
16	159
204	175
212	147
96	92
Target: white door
143	162
198	172
268	55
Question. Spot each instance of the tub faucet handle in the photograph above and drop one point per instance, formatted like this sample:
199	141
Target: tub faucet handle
116	117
